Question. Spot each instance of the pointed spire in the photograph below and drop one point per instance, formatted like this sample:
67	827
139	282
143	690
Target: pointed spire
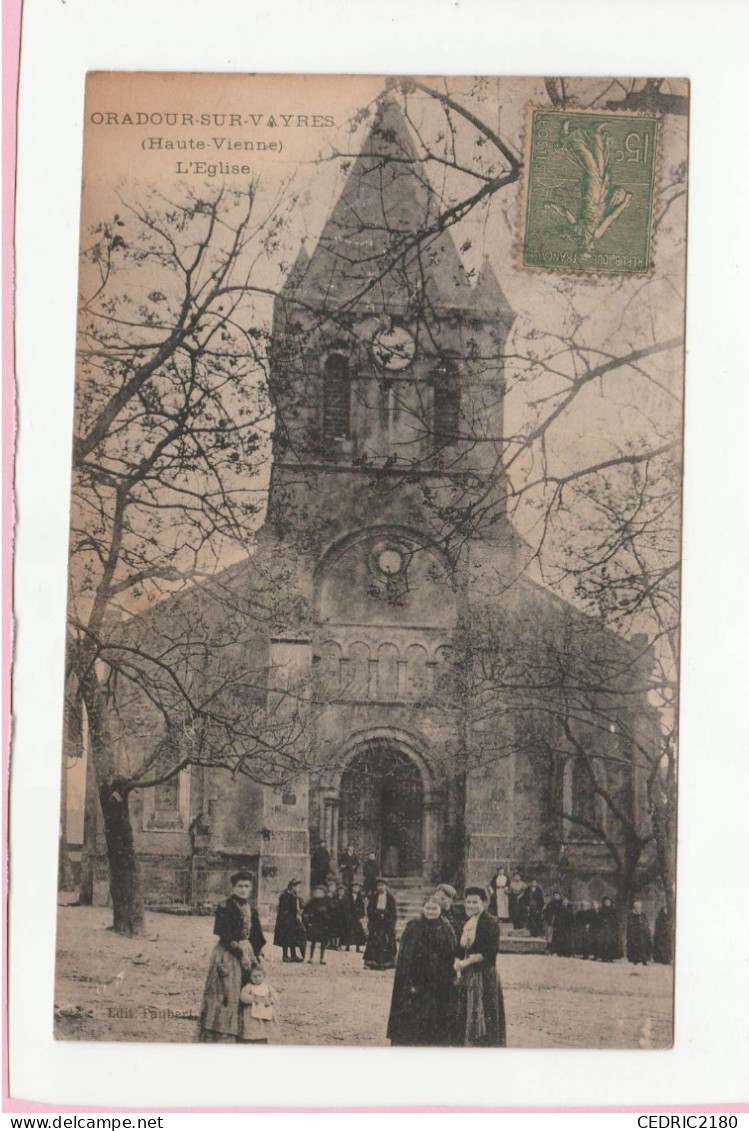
388	135
488	296
299	269
369	254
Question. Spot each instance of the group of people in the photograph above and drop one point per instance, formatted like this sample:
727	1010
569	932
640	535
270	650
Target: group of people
341	913
338	917
590	929
322	871
332	919
446	990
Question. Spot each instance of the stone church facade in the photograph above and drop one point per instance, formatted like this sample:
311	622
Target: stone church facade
387	381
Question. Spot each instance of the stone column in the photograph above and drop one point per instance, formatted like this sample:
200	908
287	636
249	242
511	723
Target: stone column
433	812
431	677
510	817
332	808
372	685
401	691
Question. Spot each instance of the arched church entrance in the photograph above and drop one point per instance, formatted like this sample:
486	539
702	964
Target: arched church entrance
382	808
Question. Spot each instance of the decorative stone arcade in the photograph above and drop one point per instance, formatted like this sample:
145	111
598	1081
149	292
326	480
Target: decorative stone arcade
384	801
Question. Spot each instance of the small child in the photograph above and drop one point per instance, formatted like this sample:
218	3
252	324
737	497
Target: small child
316	919
258	1012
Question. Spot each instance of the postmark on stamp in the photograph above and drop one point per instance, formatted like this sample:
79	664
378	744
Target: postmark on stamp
589	190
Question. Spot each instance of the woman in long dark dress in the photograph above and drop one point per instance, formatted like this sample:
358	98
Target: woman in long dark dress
379	953
532	904
609	932
551	911
663	938
479	1012
422	988
595	928
563	938
639	941
289	933
319	866
231	961
584	917
358	912
340	917
515	890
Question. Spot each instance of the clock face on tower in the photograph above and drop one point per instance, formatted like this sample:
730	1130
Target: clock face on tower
394	349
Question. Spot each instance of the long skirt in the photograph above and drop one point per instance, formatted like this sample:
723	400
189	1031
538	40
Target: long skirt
516	911
379	953
219	1015
479	1011
535	923
609	942
662	943
639	944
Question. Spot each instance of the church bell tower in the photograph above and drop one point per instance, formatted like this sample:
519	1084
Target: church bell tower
387	359
387	383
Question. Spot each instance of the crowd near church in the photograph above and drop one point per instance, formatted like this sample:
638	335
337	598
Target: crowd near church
446	989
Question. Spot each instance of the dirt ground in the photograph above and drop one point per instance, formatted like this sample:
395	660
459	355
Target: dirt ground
150	988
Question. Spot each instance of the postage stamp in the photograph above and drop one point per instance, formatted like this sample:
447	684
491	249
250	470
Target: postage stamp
589	190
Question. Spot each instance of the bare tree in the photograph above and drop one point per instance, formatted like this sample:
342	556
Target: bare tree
551	686
628	576
171	430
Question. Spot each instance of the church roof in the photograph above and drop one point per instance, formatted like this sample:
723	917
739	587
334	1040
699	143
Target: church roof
293	280
368	256
488	296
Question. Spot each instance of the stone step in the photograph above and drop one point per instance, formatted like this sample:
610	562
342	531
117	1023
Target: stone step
515	944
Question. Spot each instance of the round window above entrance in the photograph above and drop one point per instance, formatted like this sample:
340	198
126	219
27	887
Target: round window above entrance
390	562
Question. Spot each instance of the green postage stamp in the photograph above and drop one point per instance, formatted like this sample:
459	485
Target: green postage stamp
590	184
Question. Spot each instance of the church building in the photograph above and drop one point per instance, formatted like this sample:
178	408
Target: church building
387	522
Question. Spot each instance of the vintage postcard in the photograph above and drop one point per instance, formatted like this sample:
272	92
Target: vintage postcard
371	704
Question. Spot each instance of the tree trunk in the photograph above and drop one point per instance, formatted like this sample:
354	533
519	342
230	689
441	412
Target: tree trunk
663	833
64	870
88	851
628	885
458	854
124	872
627	891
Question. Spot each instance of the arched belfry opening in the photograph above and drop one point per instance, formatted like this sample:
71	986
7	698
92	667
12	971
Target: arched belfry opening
382	807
